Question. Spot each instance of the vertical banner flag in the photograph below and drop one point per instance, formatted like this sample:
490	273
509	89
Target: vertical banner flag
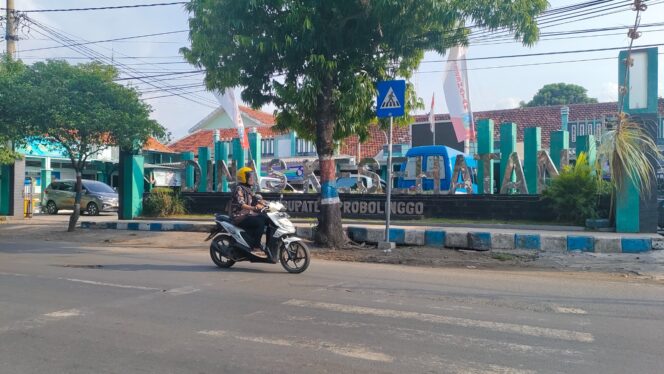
456	91
228	102
432	115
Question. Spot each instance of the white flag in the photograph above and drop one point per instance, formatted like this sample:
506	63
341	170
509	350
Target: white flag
457	97
228	102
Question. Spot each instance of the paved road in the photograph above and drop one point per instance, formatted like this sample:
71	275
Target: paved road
65	308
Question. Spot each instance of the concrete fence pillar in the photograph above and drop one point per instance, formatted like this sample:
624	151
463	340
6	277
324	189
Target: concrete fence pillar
507	147
532	139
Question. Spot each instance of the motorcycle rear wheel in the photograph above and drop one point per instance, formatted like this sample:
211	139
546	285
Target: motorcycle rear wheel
218	258
294	258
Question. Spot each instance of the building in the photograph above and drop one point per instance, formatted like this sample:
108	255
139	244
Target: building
217	126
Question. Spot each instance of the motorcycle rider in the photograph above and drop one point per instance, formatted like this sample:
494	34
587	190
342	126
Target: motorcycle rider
246	210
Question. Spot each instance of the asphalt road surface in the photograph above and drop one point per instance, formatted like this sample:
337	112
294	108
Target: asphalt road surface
68	308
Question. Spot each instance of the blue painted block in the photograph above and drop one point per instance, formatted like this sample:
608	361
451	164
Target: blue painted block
86	225
132	226
398	236
635	245
155	227
434	238
358	234
183	227
581	243
526	241
480	241
112	225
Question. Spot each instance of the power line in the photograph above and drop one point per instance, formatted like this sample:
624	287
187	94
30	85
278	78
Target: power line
67	41
544	53
522	65
169	95
101	8
109	40
161	75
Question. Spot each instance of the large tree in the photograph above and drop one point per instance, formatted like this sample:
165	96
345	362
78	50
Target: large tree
82	110
318	61
12	133
560	94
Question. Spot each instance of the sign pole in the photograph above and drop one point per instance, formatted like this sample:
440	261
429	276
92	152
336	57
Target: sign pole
388	204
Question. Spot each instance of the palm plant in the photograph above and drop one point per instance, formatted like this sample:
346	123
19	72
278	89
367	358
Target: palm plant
629	151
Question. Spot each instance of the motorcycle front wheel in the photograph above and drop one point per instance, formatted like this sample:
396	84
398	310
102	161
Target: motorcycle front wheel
294	257
217	257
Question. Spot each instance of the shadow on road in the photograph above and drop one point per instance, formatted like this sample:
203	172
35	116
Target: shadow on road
183	268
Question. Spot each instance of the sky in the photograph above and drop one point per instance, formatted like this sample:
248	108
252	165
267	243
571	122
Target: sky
494	83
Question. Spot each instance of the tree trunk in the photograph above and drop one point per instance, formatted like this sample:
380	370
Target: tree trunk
329	231
73	219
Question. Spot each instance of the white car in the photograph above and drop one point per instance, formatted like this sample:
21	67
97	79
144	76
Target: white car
351	181
269	184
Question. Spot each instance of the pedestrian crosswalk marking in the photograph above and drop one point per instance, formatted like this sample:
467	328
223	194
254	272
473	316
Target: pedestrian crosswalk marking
390	101
316	345
456	321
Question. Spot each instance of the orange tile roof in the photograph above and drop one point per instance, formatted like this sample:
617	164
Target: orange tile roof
154	145
262	117
375	142
205	138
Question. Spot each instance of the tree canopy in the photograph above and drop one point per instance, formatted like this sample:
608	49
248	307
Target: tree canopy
81	109
11	133
318	61
560	94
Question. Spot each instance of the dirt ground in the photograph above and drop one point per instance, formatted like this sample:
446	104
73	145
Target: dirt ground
648	266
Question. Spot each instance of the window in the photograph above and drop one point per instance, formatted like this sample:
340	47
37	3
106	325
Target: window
66	186
582	129
598	129
267	147
660	129
305	147
441	163
573	127
412	166
590	129
97	187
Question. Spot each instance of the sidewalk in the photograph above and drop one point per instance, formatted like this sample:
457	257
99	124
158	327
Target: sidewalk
481	239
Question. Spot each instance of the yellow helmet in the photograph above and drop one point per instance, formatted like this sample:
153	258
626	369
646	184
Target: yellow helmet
242	174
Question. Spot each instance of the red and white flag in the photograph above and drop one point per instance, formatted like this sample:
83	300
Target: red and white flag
228	102
457	94
432	115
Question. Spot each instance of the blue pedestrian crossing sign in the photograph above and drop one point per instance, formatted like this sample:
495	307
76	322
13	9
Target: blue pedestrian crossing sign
391	98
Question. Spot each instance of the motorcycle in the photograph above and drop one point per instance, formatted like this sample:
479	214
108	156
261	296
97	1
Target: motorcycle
229	242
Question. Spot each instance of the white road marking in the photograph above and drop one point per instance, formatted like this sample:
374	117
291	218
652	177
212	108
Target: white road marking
182	291
442	338
33	323
111	284
64	313
439	364
456	321
341	350
568	310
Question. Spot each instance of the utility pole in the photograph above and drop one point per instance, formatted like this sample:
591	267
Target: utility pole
10	35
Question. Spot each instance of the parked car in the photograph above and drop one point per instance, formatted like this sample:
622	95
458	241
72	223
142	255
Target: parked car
97	197
267	184
351	181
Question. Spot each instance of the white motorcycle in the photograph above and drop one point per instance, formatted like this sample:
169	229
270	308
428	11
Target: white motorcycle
229	242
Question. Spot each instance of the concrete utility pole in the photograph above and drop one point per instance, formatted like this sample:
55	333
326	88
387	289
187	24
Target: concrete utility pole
10	35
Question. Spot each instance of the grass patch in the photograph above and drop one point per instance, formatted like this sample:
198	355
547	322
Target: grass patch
503	256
